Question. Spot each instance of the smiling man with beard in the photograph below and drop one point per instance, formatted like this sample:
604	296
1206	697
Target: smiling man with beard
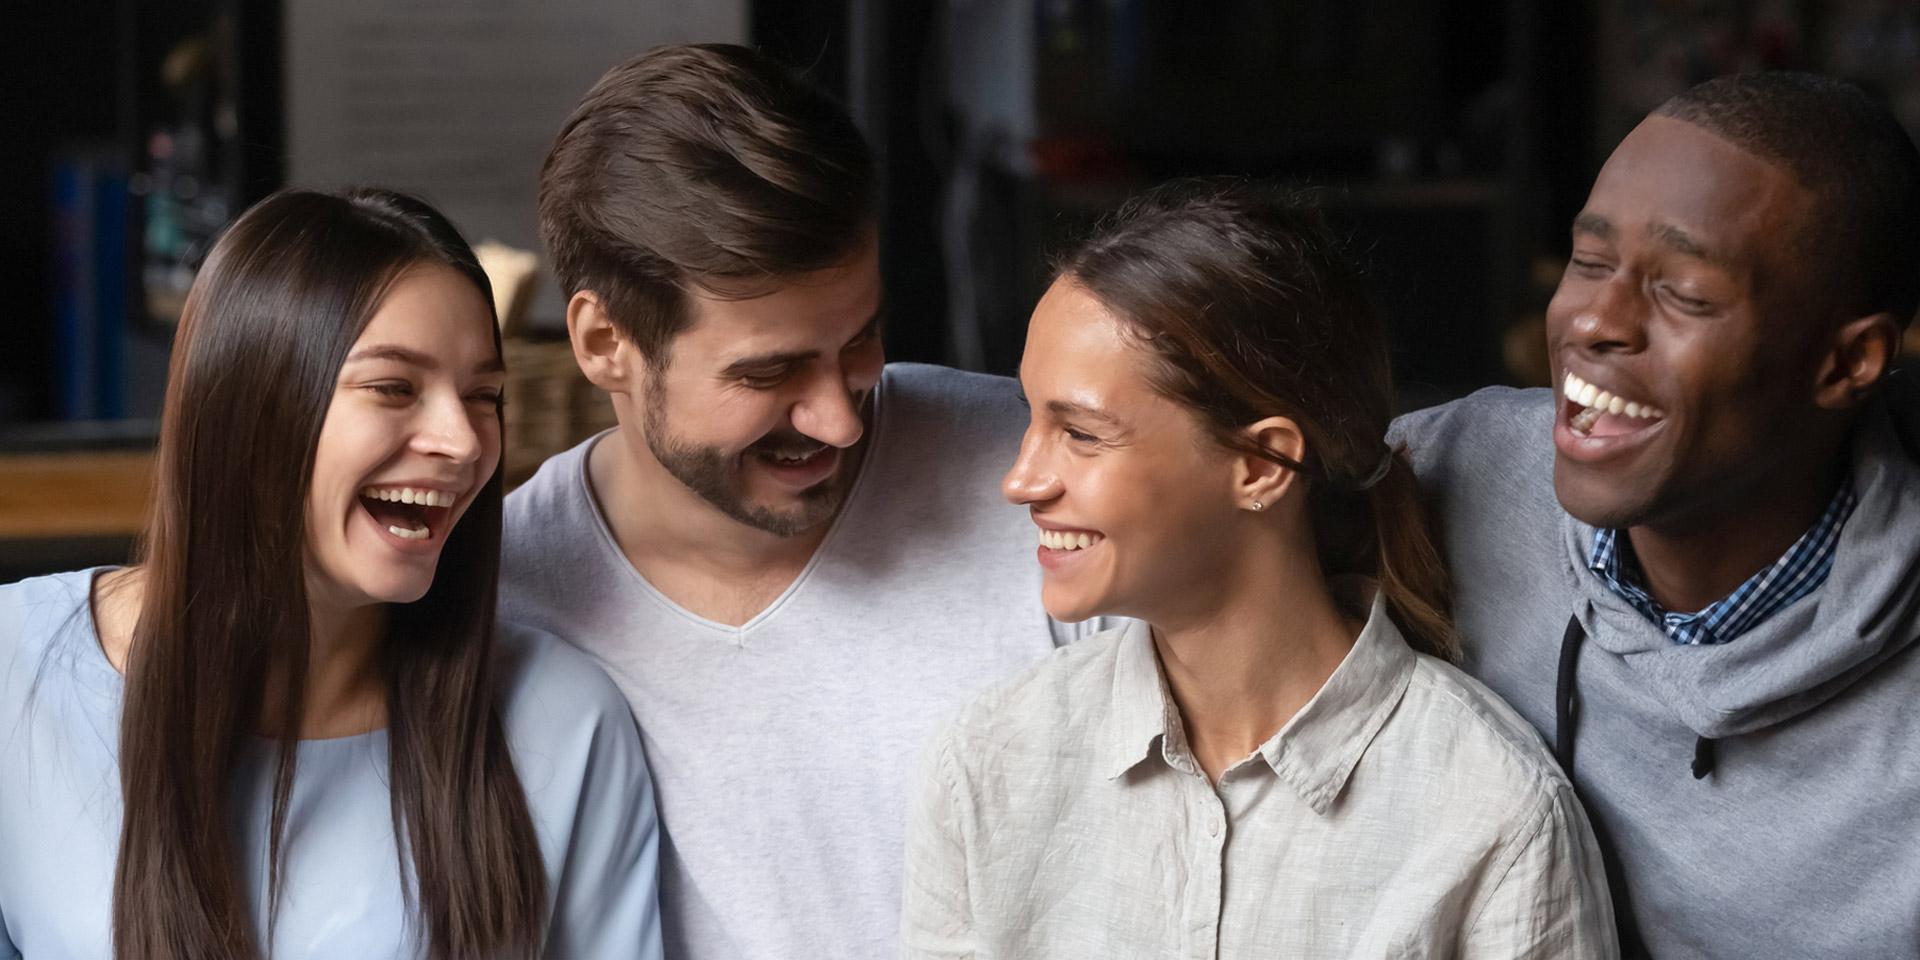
792	558
1693	565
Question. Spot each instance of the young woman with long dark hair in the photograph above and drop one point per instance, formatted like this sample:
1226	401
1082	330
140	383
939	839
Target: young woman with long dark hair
294	728
1274	759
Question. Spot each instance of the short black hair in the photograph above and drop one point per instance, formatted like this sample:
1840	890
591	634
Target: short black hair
705	165
1845	148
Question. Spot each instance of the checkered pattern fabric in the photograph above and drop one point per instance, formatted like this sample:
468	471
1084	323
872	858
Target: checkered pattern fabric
1800	571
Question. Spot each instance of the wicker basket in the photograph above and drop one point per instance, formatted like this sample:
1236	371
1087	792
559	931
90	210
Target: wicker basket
550	405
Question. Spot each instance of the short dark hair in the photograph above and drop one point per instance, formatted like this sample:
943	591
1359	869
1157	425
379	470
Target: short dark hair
1845	147
705	164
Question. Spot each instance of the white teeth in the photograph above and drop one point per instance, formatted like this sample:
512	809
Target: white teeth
418	533
1598	401
1056	540
425	498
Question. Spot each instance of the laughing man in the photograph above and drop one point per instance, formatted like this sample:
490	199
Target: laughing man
793	559
1695	567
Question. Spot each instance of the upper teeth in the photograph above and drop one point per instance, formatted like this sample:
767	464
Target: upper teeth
425	498
1598	400
1063	540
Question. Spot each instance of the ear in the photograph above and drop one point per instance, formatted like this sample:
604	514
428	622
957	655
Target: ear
603	353
1859	355
1259	480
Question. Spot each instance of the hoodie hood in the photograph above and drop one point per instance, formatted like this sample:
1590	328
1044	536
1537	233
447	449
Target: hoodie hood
1805	654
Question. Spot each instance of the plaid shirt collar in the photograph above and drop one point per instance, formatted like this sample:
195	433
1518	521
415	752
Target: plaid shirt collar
1799	572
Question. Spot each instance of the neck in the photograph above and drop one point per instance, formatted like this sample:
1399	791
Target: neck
1246	658
1693	562
345	694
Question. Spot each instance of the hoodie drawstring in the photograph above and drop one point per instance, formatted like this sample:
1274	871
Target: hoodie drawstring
1563	707
1627	927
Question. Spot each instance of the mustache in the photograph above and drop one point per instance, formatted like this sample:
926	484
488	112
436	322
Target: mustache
791	444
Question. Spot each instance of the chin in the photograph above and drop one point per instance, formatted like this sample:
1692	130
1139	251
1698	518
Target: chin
397	586
1597	502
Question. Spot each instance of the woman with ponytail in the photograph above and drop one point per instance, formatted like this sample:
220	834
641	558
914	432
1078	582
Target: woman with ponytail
294	728
1274	758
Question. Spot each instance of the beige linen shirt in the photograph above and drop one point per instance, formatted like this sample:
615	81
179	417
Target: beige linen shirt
1405	812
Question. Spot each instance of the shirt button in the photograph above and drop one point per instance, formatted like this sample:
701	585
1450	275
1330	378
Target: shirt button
1213	828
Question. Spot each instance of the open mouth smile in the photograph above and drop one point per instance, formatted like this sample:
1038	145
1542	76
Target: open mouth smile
1595	412
409	513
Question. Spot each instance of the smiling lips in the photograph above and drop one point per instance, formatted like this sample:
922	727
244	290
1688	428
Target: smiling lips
406	511
1623	415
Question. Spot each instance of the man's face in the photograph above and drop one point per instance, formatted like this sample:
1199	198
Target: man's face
759	406
1683	338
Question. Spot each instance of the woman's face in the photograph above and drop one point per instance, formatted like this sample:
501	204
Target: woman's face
1132	499
412	434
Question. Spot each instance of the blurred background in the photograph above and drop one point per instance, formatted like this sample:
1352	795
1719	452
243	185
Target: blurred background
1452	140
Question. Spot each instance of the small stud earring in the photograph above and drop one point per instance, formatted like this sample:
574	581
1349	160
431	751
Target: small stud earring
1256	504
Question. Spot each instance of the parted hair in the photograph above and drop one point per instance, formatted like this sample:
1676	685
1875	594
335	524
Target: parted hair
1248	307
1845	147
224	631
707	165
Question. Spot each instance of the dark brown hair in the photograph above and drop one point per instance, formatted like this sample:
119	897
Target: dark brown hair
1249	309
267	326
705	164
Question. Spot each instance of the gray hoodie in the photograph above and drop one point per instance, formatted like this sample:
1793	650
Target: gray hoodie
1802	839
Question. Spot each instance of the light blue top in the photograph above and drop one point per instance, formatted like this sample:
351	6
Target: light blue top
574	747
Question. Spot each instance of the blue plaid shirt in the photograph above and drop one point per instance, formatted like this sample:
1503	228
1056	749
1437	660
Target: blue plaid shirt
1799	572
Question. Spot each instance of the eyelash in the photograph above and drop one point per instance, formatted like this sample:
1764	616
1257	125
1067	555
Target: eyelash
1078	436
401	390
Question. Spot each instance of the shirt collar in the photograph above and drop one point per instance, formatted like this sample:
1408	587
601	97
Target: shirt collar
1798	572
1315	752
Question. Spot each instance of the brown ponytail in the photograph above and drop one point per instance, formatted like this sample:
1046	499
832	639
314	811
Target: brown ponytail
1251	309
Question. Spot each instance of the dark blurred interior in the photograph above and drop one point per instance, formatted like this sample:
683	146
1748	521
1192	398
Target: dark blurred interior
1452	141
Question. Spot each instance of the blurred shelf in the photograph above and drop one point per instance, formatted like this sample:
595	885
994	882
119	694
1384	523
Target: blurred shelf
66	495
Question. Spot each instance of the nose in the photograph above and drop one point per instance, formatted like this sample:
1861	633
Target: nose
830	409
447	430
1032	479
1612	320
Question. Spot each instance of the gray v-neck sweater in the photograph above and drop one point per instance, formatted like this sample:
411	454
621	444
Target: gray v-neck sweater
1804	839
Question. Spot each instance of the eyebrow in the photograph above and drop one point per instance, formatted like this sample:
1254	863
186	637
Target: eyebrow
1595	224
1064	408
1679	241
777	358
1665	234
411	357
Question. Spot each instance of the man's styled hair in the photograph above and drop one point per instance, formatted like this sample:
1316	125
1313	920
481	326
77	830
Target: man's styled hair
1851	153
707	165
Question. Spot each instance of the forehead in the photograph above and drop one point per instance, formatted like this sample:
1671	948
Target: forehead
810	311
1079	352
433	310
1669	178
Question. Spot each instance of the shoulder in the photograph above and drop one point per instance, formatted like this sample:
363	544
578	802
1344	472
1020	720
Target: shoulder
552	493
1494	421
551	692
36	610
1477	746
919	397
1038	711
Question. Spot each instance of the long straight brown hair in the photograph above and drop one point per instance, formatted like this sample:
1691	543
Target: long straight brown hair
1248	308
267	326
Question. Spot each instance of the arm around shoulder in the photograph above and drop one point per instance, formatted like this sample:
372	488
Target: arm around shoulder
1549	900
936	921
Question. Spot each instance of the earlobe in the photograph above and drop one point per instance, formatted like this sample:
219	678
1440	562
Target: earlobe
1863	351
598	347
1261	482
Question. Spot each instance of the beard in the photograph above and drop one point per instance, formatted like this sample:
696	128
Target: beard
715	476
